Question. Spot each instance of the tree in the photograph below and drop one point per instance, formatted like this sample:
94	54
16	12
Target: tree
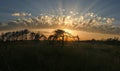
60	36
57	37
43	37
37	36
32	35
25	32
59	32
17	35
2	36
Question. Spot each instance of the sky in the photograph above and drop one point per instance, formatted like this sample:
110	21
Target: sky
97	18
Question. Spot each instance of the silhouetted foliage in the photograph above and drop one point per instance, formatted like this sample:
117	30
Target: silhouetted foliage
37	36
85	57
113	41
21	35
32	56
60	37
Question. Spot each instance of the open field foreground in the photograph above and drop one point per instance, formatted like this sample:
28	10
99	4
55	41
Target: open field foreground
39	56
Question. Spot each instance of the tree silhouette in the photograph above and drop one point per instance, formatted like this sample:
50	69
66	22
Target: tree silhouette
37	36
2	37
25	32
60	36
17	35
7	36
43	37
50	39
32	35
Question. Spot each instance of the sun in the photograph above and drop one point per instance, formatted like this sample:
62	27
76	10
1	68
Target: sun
69	31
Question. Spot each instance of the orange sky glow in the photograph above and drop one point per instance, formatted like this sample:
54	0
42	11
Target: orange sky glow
82	34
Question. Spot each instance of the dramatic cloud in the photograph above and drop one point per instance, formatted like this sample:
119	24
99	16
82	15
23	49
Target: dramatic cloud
21	14
89	22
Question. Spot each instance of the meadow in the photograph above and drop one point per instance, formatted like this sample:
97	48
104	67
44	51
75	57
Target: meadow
39	56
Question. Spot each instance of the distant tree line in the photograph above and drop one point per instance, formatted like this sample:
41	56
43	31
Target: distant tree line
114	41
59	36
21	35
110	41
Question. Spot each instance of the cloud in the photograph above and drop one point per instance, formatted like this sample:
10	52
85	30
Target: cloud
21	14
3	24
89	22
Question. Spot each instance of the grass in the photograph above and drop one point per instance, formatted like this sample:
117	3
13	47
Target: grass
39	56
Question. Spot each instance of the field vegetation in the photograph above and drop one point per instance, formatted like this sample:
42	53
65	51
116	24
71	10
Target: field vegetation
58	55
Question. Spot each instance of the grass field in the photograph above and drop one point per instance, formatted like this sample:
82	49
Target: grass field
39	56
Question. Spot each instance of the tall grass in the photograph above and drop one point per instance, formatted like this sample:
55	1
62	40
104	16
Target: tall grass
38	56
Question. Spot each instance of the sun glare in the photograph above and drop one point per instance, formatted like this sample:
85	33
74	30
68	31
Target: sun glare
69	31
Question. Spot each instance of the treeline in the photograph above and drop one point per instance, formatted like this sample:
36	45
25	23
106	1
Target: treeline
110	41
21	35
59	36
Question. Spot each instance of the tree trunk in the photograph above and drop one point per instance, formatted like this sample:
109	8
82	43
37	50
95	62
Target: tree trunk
62	40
